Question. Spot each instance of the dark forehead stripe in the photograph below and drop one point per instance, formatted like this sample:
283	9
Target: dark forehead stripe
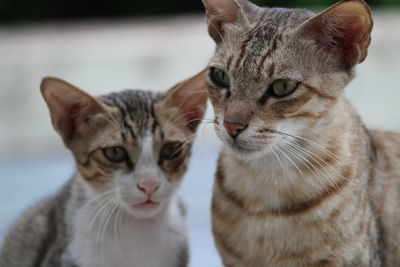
266	36
244	47
136	108
125	122
155	121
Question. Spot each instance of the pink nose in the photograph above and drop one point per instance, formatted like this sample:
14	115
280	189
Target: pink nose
148	186
234	128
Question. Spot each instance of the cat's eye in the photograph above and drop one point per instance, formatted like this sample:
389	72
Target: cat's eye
171	150
220	78
116	154
282	88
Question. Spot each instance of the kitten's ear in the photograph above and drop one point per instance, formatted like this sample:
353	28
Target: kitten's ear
187	100
221	12
343	29
69	106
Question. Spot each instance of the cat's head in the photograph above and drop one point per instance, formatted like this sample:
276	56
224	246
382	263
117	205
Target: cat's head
280	70
130	147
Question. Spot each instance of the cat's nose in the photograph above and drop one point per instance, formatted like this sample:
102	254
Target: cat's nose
234	128
148	187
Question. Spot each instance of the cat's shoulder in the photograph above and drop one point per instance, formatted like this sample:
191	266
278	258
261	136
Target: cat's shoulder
35	225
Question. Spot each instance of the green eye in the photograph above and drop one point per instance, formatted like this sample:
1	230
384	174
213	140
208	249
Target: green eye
282	88
171	150
115	154
220	78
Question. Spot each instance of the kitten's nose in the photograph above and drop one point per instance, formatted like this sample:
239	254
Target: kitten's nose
234	128
148	187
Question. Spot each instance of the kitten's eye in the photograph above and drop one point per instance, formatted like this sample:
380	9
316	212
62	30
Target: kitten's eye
171	150
282	88
220	78
115	154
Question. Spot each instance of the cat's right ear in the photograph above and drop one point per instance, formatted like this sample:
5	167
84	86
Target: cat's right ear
344	30
187	101
70	108
220	13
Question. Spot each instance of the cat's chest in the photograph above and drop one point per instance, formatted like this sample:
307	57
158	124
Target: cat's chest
276	241
277	238
125	243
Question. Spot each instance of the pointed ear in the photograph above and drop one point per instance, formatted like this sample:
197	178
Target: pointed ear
69	106
219	13
187	100
344	30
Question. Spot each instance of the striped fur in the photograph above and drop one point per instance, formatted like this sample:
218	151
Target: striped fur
304	183
94	220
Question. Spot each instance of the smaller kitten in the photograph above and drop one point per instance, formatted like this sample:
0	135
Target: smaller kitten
121	208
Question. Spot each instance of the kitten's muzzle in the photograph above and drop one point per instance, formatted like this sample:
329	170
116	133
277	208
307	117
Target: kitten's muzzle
234	128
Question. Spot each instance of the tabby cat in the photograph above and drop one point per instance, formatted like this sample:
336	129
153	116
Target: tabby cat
300	180
122	207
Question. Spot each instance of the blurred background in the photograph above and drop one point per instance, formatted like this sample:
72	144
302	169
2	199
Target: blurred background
108	46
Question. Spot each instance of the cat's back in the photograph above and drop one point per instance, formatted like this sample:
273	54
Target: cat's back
385	191
385	156
37	238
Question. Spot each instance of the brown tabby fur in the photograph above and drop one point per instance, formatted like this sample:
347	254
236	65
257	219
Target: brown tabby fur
304	183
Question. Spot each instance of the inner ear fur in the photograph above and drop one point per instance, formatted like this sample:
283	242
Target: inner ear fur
343	29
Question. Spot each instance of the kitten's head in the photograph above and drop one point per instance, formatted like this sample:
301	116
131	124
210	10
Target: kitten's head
280	70
131	147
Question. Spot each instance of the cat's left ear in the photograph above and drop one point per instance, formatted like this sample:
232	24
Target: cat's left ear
344	30
222	12
71	109
187	101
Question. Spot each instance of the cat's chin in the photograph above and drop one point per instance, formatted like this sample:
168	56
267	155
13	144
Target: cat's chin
243	151
249	153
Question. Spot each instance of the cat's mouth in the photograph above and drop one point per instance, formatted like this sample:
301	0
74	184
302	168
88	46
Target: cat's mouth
146	204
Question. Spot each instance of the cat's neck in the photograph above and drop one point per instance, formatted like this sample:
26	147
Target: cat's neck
320	160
